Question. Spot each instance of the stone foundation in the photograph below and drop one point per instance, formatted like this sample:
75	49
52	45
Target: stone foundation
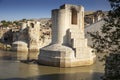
34	49
62	56
21	55
33	55
19	46
75	63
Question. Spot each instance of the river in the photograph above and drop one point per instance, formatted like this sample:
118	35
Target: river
12	69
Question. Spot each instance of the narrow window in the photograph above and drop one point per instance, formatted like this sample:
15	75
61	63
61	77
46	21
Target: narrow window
32	25
74	16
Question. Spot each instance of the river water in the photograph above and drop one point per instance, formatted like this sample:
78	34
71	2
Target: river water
12	69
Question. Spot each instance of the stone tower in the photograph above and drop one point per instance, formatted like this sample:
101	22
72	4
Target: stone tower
69	46
33	33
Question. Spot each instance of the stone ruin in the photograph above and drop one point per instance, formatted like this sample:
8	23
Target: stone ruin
29	34
27	40
20	39
30	38
33	33
69	46
94	17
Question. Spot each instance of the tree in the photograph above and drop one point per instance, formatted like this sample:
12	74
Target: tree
16	23
6	23
109	41
24	20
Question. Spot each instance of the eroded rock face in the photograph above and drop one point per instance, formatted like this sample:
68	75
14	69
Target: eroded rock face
69	46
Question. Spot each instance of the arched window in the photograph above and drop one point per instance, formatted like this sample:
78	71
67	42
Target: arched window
73	16
32	25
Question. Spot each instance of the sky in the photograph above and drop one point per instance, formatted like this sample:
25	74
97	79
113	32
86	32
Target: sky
19	9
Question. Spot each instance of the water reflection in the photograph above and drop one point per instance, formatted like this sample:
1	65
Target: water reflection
68	76
10	69
4	55
9	55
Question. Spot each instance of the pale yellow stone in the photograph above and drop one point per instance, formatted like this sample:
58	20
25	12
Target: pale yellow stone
69	46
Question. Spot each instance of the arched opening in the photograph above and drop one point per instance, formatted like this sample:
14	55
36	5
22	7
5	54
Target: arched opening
32	25
73	16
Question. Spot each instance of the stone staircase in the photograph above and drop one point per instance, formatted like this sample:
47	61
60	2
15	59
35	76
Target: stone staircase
79	43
